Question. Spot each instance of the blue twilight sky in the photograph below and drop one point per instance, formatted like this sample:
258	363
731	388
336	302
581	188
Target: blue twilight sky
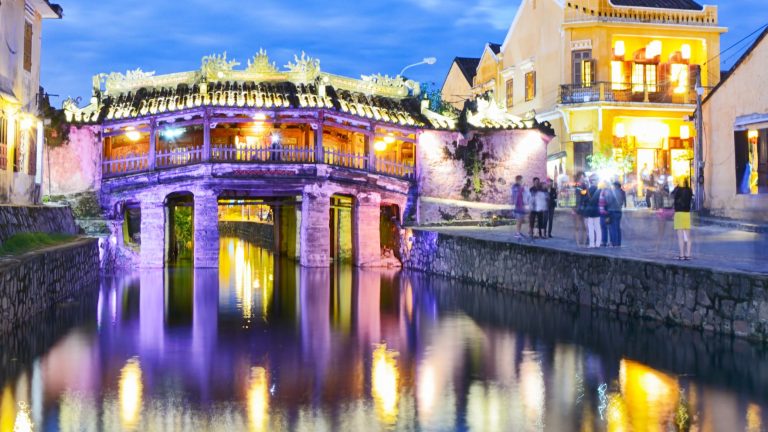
349	37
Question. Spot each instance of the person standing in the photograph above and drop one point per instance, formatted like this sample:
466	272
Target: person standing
579	223
592	214
683	198
602	188
615	201
539	206
551	206
520	201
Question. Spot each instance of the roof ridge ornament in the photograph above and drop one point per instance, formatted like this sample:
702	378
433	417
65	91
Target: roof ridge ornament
215	66
305	65
261	64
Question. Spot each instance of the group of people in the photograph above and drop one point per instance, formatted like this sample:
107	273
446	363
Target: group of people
598	211
537	204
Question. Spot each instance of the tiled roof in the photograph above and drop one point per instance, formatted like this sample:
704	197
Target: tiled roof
661	4
496	48
468	67
723	78
272	95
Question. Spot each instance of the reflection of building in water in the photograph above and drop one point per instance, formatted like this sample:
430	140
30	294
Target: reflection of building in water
131	392
258	400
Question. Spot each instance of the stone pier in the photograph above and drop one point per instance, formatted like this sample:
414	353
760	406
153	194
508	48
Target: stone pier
366	233
152	234
206	235
315	228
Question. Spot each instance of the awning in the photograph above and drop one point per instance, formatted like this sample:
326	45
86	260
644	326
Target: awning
556	156
6	94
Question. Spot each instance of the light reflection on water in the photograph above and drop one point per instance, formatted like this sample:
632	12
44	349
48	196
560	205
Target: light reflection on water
263	345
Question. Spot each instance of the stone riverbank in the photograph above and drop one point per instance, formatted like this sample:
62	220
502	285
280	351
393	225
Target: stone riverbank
36	281
728	302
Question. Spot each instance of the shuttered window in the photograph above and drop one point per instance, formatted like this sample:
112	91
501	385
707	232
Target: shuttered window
510	93
3	142
530	86
28	46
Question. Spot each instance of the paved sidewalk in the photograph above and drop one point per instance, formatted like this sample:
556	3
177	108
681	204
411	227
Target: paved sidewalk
647	238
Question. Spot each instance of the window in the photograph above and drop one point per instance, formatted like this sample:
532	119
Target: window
583	68
644	78
751	151
3	142
510	93
28	46
530	86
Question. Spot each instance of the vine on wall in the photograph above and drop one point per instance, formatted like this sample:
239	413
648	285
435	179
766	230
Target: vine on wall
473	157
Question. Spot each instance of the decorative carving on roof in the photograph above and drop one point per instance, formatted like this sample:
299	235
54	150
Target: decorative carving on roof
385	80
118	81
216	65
305	65
261	64
490	114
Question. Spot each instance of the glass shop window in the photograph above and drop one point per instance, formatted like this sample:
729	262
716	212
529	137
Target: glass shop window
751	151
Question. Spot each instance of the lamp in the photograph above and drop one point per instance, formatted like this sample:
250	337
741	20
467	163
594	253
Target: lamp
619	50
426	61
685	51
379	146
132	134
26	123
389	139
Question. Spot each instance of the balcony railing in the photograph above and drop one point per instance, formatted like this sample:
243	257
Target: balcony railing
236	154
577	12
127	165
626	92
290	154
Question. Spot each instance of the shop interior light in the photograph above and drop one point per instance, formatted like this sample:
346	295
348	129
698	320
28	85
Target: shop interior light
379	145
685	132
132	134
621	130
389	139
260	117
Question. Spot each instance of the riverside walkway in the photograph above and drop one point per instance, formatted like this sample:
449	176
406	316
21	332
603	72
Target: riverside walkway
646	238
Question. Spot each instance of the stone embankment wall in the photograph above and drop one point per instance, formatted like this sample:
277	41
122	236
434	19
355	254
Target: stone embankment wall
729	303
48	219
36	281
259	233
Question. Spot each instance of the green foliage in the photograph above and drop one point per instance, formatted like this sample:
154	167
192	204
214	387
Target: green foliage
182	219
25	242
473	157
436	104
57	128
601	162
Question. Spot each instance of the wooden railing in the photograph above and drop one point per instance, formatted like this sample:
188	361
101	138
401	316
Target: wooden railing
394	169
178	157
129	165
346	160
283	154
234	154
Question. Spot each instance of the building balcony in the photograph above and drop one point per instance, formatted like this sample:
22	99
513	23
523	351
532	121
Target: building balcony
576	94
576	13
180	157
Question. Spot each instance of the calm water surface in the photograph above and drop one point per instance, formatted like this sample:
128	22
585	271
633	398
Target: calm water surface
262	345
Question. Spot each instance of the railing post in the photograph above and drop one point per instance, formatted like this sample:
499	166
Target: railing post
602	92
319	155
152	144
206	135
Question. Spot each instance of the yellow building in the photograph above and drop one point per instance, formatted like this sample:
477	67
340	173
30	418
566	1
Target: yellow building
735	141
459	82
21	129
615	77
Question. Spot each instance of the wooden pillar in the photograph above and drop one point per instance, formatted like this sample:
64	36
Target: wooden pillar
366	230
206	135
319	153
370	138
152	144
152	251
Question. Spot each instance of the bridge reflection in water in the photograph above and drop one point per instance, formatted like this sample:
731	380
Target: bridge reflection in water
262	344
